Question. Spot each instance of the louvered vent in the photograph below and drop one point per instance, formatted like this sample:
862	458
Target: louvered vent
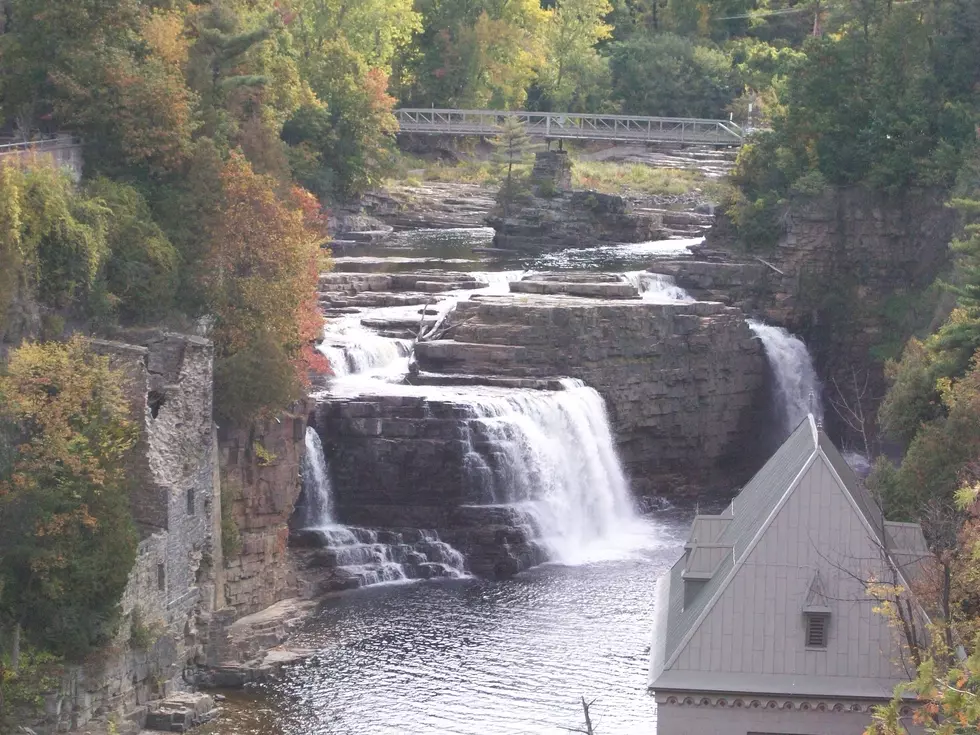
816	631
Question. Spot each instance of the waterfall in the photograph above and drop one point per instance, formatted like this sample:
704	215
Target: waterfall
797	387
362	351
316	482
364	556
658	288
552	454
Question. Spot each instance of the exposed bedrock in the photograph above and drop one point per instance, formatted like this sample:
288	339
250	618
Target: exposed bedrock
683	383
401	462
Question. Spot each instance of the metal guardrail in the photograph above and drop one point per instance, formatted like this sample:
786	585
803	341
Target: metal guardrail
64	151
573	126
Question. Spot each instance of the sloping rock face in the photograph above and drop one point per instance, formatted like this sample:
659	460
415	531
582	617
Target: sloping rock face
683	383
848	275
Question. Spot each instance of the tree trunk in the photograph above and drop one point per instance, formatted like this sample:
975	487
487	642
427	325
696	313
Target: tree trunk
588	718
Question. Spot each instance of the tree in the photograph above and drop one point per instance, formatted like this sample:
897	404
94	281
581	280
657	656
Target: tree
574	68
513	147
67	539
140	271
669	75
259	278
474	54
341	148
375	30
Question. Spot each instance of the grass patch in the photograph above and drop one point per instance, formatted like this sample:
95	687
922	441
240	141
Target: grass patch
607	177
621	178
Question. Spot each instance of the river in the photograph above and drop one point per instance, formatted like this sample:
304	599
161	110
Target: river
469	656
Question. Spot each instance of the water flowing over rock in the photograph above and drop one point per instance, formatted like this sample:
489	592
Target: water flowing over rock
362	352
316	482
348	557
512	476
797	387
658	288
552	453
345	558
683	382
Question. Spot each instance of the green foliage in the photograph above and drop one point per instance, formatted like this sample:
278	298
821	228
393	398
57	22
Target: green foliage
575	77
886	101
474	54
67	539
343	148
263	457
670	75
141	270
22	690
143	634
52	240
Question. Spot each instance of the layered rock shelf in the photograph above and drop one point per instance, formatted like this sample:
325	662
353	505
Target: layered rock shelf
682	382
572	219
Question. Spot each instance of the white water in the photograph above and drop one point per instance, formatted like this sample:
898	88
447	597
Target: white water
552	454
361	552
358	354
797	387
658	288
316	482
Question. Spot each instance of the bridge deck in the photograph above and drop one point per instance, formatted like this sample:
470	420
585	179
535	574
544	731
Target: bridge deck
567	126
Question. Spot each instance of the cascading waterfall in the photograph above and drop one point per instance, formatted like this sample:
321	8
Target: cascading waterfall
553	454
797	387
362	352
316	482
366	555
658	288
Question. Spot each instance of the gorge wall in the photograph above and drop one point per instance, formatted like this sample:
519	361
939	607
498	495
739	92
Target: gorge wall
849	274
183	592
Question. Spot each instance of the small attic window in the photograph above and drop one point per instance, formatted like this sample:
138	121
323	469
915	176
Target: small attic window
816	630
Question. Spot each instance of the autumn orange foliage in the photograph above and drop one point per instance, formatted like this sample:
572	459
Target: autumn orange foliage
260	276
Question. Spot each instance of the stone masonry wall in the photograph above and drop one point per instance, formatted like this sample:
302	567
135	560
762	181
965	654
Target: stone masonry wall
170	592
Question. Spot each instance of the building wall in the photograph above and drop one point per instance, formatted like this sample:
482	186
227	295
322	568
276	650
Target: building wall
816	530
747	720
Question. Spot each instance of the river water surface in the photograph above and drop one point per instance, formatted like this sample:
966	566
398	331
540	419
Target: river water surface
475	657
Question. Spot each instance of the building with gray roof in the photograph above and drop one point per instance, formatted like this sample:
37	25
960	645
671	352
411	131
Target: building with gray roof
765	624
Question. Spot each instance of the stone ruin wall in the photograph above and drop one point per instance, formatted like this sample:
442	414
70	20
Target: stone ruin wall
170	590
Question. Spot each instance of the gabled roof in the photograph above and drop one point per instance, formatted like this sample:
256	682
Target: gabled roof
750	513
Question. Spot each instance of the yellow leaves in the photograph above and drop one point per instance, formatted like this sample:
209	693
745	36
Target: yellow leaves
164	33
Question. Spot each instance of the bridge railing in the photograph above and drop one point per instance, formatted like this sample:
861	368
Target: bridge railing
571	126
63	151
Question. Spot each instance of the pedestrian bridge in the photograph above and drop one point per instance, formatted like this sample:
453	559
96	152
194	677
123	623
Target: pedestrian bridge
569	126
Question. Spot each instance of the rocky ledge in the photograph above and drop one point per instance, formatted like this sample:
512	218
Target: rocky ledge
430	205
683	383
572	219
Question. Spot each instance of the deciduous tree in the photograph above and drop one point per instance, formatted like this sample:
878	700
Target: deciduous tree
67	540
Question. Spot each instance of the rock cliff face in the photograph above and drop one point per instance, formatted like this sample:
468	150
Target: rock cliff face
260	482
682	382
572	219
847	275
